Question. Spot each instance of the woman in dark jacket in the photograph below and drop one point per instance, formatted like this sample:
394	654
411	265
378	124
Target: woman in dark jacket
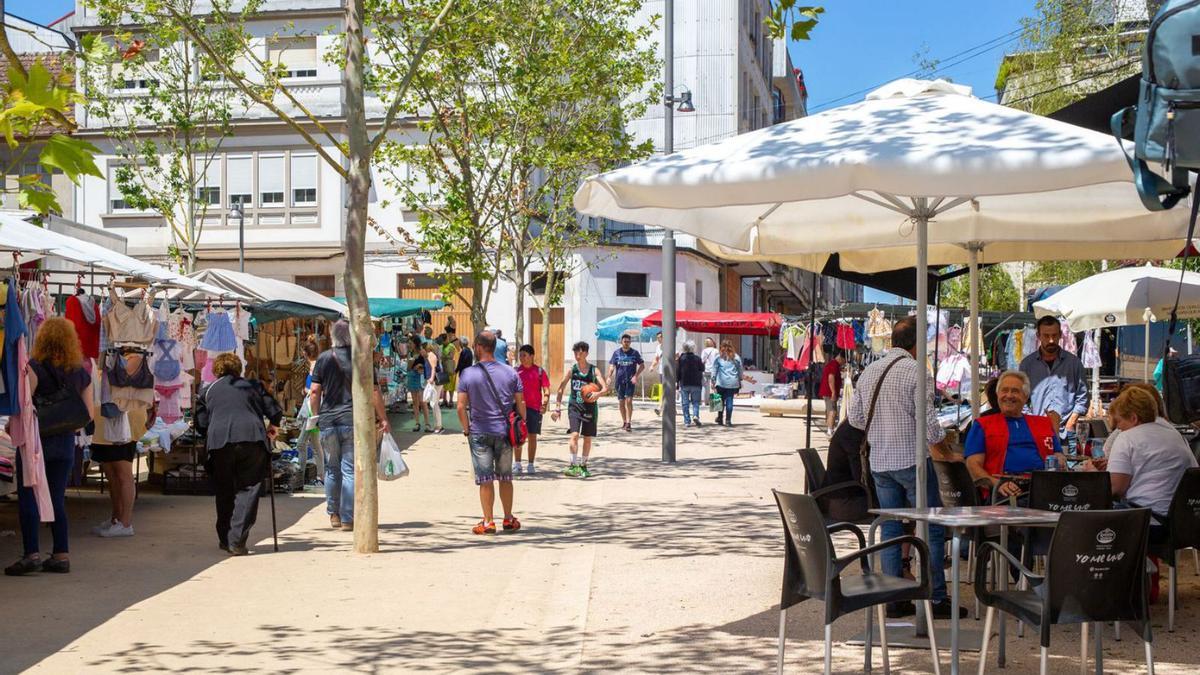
230	412
55	364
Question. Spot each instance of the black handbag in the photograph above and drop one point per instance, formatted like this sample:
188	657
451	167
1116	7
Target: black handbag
1181	374
61	411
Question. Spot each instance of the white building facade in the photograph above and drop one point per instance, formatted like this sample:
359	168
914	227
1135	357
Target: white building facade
294	204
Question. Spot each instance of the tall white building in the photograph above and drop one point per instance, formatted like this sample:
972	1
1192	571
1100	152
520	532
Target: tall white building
294	203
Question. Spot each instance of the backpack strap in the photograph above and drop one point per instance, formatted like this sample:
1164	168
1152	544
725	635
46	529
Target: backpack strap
1157	193
1187	248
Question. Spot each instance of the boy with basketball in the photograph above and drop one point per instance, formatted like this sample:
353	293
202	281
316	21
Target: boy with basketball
587	385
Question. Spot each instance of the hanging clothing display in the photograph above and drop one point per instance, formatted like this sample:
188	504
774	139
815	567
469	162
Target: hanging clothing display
1091	353
845	336
82	311
219	335
130	325
973	332
1029	343
1068	338
879	330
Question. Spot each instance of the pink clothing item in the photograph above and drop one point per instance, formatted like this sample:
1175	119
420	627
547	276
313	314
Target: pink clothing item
23	429
533	380
168	402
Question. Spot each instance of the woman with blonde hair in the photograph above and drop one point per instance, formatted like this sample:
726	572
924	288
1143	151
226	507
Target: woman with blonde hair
1147	459
57	378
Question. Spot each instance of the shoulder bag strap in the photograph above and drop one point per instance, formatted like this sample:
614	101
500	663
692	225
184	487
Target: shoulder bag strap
1187	248
492	386
875	397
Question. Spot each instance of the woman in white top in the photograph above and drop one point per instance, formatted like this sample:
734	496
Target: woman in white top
1147	458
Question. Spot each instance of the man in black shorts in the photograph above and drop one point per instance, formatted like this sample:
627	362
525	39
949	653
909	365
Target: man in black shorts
582	410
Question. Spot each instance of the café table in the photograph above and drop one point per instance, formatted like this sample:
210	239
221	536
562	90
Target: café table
958	519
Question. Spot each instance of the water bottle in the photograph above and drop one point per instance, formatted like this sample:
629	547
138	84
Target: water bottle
1052	463
1098	448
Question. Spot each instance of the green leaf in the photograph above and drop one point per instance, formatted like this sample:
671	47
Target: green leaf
41	201
72	156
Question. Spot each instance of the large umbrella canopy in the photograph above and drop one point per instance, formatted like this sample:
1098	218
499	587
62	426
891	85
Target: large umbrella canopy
851	180
394	308
1121	298
613	327
272	299
725	323
29	241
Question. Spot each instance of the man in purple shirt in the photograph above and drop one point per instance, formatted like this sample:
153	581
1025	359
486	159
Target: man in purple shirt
490	390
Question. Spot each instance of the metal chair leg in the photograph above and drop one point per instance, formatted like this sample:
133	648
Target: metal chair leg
782	639
1196	562
1083	647
1042	667
987	636
933	648
883	645
1171	599
870	639
1149	658
828	649
1117	630
1099	653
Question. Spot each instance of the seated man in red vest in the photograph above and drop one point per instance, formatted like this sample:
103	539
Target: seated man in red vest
1012	442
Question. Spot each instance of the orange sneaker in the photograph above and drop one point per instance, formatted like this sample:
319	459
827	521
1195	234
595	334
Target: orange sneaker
511	523
485	528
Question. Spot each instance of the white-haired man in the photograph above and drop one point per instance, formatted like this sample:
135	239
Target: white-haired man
689	368
1011	443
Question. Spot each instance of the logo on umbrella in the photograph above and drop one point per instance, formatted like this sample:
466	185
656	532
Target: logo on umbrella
1110	318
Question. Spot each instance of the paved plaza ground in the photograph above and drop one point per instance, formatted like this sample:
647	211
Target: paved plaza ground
643	568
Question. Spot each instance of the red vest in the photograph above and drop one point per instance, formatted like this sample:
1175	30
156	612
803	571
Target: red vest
995	437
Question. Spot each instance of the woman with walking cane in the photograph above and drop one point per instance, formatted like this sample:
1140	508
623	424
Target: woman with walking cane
230	413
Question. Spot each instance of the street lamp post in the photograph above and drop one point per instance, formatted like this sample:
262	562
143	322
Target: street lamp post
235	212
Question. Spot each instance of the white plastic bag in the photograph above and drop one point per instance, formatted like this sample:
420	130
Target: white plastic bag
429	393
391	462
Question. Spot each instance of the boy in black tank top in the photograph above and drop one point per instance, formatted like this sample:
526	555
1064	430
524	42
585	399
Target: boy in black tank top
582	410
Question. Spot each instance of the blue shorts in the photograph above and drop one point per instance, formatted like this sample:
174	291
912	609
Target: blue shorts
491	458
533	421
624	389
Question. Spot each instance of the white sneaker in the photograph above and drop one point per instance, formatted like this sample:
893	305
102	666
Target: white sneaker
99	529
530	470
517	470
118	530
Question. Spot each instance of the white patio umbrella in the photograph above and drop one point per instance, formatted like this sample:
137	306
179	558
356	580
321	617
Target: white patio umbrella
1129	296
919	173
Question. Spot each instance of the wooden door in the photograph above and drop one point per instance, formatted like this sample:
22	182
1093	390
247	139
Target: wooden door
426	287
554	361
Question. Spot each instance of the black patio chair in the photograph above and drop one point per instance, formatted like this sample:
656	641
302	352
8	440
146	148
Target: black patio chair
1065	491
1180	530
957	488
846	501
1095	573
813	570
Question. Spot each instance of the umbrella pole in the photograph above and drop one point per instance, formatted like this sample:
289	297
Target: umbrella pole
1146	361
922	397
976	336
812	327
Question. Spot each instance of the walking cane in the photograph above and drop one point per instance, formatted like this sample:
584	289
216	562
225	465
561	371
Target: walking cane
271	489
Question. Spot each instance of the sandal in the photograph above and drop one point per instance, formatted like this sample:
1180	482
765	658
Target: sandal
484	528
511	523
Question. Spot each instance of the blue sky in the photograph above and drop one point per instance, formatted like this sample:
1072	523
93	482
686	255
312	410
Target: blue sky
41	11
862	44
858	45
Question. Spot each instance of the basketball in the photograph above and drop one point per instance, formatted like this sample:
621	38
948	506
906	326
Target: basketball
590	392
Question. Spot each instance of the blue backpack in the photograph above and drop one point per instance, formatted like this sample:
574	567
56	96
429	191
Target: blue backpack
1166	121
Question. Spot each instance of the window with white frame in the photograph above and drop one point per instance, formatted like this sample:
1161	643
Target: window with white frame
304	179
138	74
297	55
239	179
116	200
271	177
208	180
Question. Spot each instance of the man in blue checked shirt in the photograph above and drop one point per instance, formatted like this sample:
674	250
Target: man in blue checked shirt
1058	380
892	437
